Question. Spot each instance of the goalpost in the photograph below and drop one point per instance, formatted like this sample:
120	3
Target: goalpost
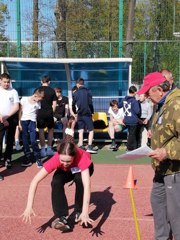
108	78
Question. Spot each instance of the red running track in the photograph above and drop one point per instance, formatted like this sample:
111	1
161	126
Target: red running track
110	205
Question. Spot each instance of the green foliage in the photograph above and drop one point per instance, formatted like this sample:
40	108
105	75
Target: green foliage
3	17
154	24
90	28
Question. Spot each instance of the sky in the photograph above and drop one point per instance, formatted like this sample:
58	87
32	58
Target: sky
11	28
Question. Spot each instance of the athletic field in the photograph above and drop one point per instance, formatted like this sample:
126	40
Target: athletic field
118	213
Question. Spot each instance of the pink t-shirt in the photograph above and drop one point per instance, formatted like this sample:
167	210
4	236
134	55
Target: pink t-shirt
82	160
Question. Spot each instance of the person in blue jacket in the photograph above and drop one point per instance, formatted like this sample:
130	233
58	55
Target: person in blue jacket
132	112
82	99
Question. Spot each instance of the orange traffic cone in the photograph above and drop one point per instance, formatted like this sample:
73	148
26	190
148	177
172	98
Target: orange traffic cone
130	182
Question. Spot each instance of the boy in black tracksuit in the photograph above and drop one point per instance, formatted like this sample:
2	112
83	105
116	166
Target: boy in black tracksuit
132	111
82	99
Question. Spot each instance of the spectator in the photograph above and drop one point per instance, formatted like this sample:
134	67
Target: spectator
70	163
82	98
8	121
62	110
165	156
27	124
144	120
72	106
132	111
116	121
45	116
168	75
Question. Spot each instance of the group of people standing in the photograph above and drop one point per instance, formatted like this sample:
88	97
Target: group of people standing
132	114
73	163
44	109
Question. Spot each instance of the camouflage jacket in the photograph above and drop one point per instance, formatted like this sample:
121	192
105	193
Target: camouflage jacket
166	134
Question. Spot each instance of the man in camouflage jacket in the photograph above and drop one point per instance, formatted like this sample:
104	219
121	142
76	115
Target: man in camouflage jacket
165	142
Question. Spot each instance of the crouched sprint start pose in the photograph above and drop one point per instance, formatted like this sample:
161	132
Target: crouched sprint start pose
70	163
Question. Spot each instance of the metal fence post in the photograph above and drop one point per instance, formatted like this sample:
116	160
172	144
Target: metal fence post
120	27
145	57
18	25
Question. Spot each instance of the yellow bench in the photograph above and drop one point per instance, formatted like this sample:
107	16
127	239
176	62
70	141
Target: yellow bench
100	121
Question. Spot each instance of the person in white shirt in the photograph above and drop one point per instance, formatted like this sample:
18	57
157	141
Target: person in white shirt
116	121
27	124
9	100
146	113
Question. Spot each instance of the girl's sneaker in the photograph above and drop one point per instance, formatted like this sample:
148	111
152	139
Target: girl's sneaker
61	224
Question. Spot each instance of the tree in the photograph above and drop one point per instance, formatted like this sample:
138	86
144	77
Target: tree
60	30
3	16
130	27
35	29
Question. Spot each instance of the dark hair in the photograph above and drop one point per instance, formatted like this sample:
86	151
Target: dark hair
113	103
39	91
132	89
5	75
67	148
45	79
57	89
75	88
80	81
165	86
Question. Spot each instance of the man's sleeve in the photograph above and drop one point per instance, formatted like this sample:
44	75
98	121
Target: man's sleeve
74	104
90	102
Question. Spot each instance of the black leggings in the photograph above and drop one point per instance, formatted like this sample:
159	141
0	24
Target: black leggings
59	200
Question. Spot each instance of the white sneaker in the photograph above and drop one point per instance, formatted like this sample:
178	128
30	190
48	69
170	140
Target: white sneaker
18	146
50	152
91	149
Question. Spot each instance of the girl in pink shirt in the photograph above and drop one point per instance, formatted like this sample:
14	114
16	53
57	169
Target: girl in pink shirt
70	163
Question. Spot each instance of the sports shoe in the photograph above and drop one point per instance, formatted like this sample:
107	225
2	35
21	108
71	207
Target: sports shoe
91	149
18	146
82	147
49	151
8	164
77	217
1	178
39	163
61	224
95	148
43	152
113	145
26	164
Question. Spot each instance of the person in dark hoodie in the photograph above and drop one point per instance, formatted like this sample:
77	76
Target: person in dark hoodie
82	99
132	112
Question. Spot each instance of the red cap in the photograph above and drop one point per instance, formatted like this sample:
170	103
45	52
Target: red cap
151	80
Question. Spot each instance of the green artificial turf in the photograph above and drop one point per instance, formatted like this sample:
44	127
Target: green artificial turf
105	155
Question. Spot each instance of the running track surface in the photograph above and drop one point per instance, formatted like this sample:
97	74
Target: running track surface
110	207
